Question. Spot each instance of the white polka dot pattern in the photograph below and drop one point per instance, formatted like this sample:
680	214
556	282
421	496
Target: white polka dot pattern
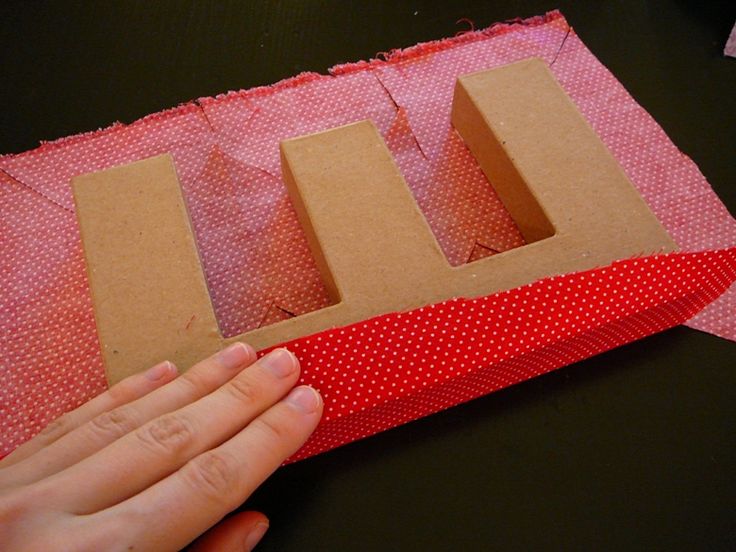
398	367
386	371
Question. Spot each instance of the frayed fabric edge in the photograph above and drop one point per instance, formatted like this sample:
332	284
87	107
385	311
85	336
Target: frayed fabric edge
383	59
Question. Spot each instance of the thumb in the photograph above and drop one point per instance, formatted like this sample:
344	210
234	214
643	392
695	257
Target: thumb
238	533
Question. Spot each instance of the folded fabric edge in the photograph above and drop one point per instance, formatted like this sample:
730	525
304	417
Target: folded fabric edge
704	287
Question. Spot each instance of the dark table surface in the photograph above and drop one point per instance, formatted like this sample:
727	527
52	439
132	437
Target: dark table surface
633	449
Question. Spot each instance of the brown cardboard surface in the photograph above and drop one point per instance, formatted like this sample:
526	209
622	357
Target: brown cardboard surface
149	293
375	251
548	165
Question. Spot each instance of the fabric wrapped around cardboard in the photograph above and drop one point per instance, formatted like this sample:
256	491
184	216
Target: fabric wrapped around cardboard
259	268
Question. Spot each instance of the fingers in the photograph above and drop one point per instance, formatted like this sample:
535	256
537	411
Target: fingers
163	445
237	533
105	428
123	392
177	509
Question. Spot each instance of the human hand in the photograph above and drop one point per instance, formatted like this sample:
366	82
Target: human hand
157	460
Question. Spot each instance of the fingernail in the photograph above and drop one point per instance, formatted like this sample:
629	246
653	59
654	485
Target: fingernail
280	362
304	398
235	355
157	372
255	536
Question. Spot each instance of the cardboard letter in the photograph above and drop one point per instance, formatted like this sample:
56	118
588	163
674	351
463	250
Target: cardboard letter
148	289
571	200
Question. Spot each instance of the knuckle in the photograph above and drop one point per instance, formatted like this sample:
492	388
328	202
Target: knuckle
194	384
13	507
243	389
271	429
18	504
168	434
114	423
57	428
213	474
121	393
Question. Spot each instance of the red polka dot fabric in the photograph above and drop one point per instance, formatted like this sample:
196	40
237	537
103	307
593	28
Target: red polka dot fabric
392	369
399	367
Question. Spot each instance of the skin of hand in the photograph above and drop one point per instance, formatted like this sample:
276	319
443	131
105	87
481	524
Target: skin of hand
159	459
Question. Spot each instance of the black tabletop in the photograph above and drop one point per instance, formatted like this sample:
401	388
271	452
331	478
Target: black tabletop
633	449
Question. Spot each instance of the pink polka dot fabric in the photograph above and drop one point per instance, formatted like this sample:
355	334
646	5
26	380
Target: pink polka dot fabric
386	371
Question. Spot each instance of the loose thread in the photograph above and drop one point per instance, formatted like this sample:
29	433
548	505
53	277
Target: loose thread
564	39
191	320
469	22
206	118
